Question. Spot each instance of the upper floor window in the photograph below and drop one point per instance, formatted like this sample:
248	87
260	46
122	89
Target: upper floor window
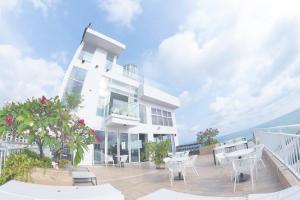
75	81
143	114
87	52
109	60
161	117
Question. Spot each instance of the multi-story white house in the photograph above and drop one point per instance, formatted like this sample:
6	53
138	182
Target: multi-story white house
124	111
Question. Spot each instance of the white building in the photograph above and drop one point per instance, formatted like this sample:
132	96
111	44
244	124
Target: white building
123	110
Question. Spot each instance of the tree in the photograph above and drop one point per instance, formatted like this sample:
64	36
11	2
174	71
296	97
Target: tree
9	123
206	137
47	122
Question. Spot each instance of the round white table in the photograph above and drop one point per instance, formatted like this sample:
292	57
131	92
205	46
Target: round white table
239	153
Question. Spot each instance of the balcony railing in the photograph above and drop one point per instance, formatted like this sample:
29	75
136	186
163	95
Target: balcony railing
284	143
125	109
118	69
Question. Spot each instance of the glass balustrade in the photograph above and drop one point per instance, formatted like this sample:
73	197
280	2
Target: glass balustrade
125	109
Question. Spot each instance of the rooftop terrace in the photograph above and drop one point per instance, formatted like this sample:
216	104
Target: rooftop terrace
138	180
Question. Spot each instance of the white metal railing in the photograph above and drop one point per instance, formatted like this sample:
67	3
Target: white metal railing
284	143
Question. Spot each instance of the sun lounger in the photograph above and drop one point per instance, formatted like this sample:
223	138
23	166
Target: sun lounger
164	194
84	177
15	190
291	193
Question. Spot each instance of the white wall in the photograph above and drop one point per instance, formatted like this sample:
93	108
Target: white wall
90	95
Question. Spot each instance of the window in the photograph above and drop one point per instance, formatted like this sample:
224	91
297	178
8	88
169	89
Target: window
75	81
87	53
161	117
109	60
101	106
143	114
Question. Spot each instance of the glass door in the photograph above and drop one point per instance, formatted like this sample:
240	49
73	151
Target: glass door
135	147
99	148
123	145
112	146
142	139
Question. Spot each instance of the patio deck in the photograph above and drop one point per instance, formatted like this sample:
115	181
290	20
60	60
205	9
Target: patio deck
135	181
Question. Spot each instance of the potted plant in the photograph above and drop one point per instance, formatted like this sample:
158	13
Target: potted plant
157	152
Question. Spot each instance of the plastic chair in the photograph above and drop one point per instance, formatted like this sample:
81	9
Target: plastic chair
243	166
109	159
176	168
258	154
123	160
191	164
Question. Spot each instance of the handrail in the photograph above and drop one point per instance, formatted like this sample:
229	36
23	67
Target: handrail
284	146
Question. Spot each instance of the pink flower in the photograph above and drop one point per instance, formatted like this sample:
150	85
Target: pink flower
81	122
43	100
9	120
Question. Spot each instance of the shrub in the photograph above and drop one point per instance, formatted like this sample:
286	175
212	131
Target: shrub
207	137
63	163
18	166
157	151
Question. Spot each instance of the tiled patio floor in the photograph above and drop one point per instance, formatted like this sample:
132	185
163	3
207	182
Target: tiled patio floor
135	181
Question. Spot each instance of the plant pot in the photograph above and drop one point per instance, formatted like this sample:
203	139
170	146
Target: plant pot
160	166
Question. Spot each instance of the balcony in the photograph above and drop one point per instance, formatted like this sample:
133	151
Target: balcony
123	114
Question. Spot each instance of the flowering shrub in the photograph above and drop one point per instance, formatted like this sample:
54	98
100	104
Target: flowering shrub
207	137
9	120
47	122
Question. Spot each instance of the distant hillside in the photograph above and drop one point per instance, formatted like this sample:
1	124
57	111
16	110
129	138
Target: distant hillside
287	119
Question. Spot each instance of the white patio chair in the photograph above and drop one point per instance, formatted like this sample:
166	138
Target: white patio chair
109	159
225	164
186	153
167	159
190	163
174	169
243	165
258	154
123	160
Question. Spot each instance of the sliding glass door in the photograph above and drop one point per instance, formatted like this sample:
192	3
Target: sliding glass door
135	147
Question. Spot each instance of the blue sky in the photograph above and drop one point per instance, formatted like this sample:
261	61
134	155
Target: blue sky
234	64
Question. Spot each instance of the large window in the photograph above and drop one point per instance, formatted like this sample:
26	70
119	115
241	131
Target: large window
143	114
103	98
161	117
75	81
87	52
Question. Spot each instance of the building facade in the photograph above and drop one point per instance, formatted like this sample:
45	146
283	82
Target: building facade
124	111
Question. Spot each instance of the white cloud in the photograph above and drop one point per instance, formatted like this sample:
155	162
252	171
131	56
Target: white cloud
246	55
23	77
9	5
15	5
44	5
60	57
122	12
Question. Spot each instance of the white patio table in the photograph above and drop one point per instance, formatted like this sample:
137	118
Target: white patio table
231	147
239	153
